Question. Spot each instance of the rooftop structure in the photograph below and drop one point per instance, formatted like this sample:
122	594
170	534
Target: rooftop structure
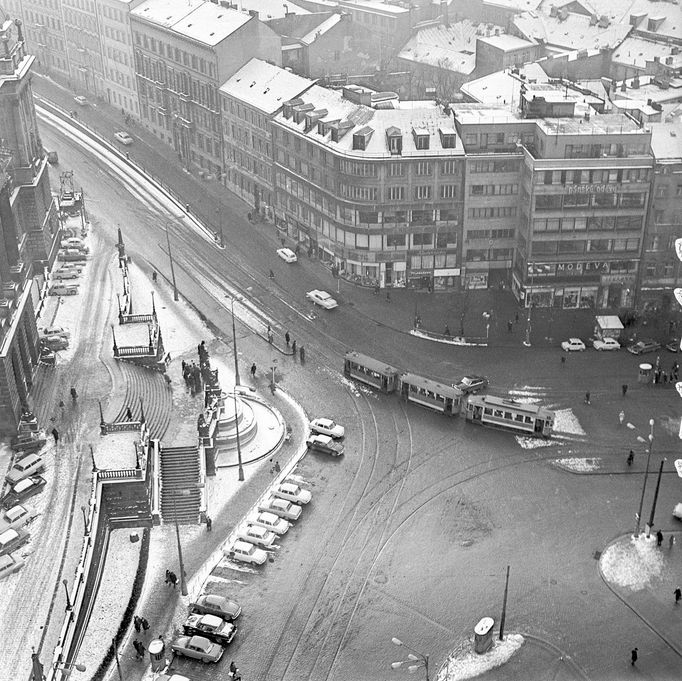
640	53
266	10
666	142
503	87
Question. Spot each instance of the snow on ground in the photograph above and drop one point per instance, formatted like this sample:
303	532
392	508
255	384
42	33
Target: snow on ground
532	442
453	340
465	663
298	479
565	421
116	450
632	563
579	465
112	599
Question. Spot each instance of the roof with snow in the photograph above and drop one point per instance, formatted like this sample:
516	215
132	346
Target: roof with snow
666	141
506	42
269	9
295	26
264	86
116	451
197	20
375	5
503	87
321	29
636	51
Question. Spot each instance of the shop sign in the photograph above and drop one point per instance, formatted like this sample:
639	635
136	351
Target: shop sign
628	279
593	188
421	273
580	268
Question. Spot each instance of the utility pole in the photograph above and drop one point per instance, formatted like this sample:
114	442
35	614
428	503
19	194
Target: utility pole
504	606
170	256
653	506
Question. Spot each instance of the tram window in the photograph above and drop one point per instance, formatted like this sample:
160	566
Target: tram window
518	417
499	413
488	411
508	415
528	419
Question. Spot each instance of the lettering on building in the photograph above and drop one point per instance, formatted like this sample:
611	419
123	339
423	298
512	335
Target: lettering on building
592	188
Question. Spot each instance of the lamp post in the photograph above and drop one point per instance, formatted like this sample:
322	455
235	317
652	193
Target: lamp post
85	520
66	589
638	517
658	485
529	303
234	343
413	657
239	447
118	662
183	583
67	667
172	269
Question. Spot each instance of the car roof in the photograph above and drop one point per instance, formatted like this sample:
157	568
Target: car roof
258	530
242	545
288	485
211	620
269	517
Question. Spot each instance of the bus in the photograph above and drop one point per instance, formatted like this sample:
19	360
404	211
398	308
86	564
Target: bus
444	398
370	371
507	413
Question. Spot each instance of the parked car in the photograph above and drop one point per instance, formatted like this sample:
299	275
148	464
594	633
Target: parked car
54	331
287	255
23	490
63	290
55	342
281	507
246	553
471	384
66	274
673	345
198	647
327	427
47	356
11	540
80	100
321	298
324	444
644	346
258	535
292	492
10	564
221	606
16	517
271	522
677	511
605	344
172	677
24	468
211	627
573	345
123	137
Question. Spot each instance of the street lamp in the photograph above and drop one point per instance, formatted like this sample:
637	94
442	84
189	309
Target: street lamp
67	667
172	269
234	343
239	447
415	660
183	583
650	443
85	520
66	589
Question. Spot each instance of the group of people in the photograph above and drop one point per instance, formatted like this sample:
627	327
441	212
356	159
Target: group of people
171	578
291	343
141	625
661	376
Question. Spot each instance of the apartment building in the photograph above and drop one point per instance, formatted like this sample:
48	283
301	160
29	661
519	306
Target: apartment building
661	270
184	51
376	192
250	100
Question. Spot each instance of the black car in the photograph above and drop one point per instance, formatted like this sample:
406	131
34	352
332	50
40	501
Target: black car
23	490
472	384
643	346
212	627
673	346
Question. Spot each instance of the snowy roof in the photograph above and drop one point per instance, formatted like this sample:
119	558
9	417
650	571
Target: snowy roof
376	6
575	31
502	87
520	5
636	51
408	116
452	47
321	29
132	334
115	451
506	42
264	85
476	114
270	9
198	20
666	141
598	124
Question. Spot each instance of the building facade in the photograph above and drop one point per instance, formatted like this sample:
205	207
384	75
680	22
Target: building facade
377	193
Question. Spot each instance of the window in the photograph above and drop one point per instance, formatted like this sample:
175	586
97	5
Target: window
599	245
422	239
548	202
422	192
545	247
571	246
449	167
396	193
394	240
396	170
448	191
424	168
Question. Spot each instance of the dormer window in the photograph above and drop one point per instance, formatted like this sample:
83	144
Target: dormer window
448	138
394	140
301	110
362	137
421	138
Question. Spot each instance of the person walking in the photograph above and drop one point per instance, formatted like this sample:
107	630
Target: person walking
587	397
634	656
129	414
293	348
137	623
510	326
678	595
55	435
173	579
563	360
209	523
631	458
253	370
154	275
624	389
671	542
167	576
301	352
621	417
659	538
233	668
277	467
287	338
145	624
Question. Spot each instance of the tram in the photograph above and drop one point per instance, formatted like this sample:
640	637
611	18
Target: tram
500	412
371	371
443	398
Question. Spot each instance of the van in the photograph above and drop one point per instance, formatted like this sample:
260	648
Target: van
24	468
11	540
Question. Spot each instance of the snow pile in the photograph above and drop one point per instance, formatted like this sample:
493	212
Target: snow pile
532	442
453	340
565	421
579	465
528	394
466	664
632	563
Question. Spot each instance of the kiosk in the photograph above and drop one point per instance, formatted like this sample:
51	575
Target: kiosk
483	635
645	373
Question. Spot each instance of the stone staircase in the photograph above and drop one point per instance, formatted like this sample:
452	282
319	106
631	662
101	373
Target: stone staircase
182	477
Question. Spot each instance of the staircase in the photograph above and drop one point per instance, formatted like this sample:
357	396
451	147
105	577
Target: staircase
182	479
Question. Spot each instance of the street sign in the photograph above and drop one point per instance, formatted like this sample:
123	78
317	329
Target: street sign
678	467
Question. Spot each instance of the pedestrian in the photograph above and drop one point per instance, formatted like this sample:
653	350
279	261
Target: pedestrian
233	668
277	467
624	389
287	338
388	296
447	331
563	360
154	275
253	370
173	579
167	576
136	645
137	623
129	414
633	656
55	435
270	337
659	538
621	417
664	377
209	523
293	348
510	326
678	595
516	317
301	352
631	458
145	624
587	398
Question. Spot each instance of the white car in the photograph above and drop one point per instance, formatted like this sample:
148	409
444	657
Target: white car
281	507
324	444
246	553
677	511
287	255
322	298
573	345
327	427
292	492
80	100
16	517
123	137
271	522
606	344
258	535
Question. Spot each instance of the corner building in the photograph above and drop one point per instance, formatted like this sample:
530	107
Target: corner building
371	185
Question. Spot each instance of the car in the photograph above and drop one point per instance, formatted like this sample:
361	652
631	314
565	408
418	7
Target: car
80	100
677	511
246	553
324	444
287	255
673	345
16	516
24	468
63	290
258	535
198	647
271	522
605	344
643	346
292	492
54	331
327	427
11	540
221	606
23	490
471	384
55	342
172	677
123	137
47	356
10	564
67	274
281	507
212	627
321	298
573	345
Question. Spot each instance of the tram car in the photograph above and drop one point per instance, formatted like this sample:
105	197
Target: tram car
520	417
443	398
371	371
